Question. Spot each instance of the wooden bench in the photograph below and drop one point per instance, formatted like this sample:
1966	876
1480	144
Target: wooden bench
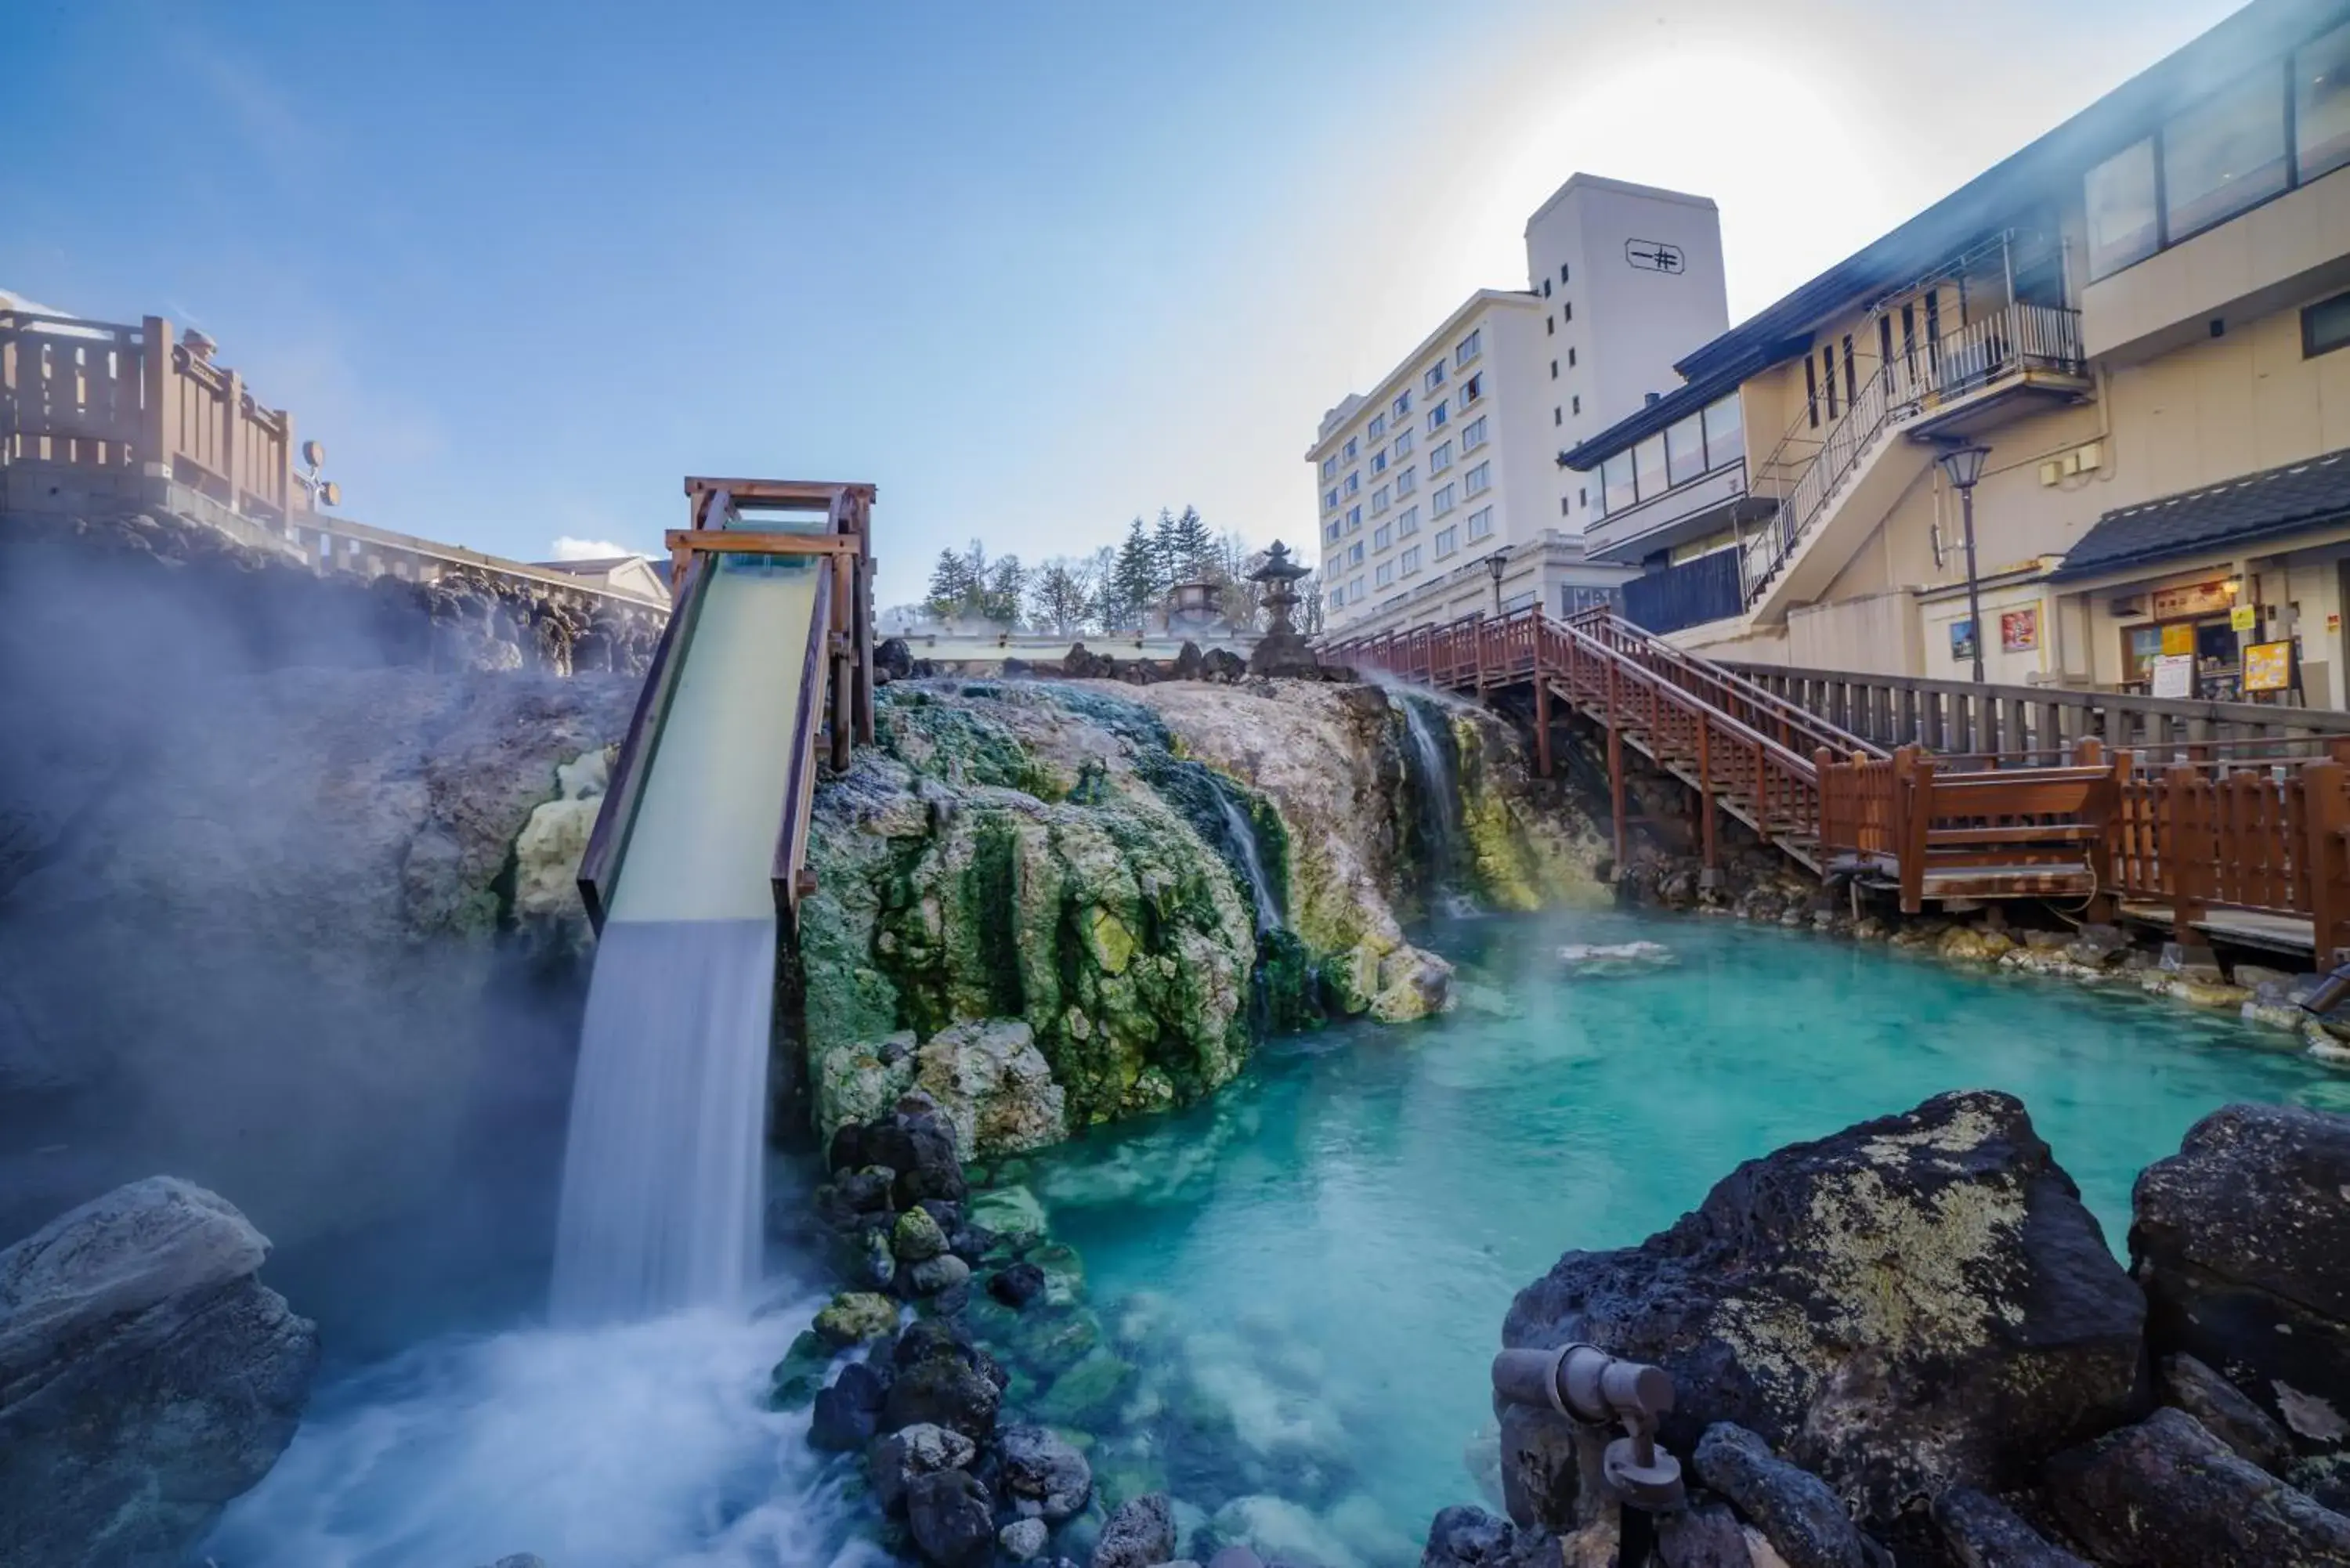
2004	834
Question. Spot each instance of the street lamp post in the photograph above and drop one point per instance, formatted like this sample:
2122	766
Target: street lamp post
1495	563
1964	466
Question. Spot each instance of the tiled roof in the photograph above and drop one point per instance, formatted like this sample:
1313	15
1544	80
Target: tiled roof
2275	501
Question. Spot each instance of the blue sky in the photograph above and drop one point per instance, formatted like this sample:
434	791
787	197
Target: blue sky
1031	267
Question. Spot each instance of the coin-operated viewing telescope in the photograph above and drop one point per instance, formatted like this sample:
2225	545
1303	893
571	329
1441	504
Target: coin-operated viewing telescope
1595	1389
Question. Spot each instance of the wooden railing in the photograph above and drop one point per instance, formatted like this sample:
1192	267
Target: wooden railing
2243	826
99	395
2008	726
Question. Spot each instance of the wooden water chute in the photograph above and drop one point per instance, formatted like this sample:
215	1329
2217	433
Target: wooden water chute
831	523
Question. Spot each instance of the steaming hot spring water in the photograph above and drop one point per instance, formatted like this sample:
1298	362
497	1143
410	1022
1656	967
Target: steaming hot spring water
1319	1258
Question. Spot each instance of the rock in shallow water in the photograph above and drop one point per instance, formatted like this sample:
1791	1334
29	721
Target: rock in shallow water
146	1376
894	1462
1139	1534
1022	1540
994	1085
1040	1467
1915	1302
951	1517
2165	1493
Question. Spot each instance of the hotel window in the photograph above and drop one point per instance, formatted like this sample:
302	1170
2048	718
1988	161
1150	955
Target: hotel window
1354	554
1383	535
1407	522
1402	444
1471	390
1438	416
1851	383
1561	272
1384	573
1440	457
1330	467
1685	449
1402	409
1618	492
1827	369
1469	347
1379	501
1330	531
1441	502
1554	370
2325	325
1811	390
1545	288
1550	323
2320	104
1354	482
1355	590
1378	427
2223	155
1570	359
1567	313
1649	466
1406	481
1481	523
1557	415
1448	540
1409	561
1350	448
1564	506
1329	501
1353	519
1379	460
1725	433
1577	401
1478	480
1472	434
1434	378
2124	221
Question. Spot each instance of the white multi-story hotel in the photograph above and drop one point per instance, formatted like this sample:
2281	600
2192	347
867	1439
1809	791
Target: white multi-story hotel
1453	456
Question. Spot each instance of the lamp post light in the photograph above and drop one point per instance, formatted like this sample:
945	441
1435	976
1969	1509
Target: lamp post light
1963	465
1497	563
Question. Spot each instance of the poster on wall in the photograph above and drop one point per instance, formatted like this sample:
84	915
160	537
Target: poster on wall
2244	618
2178	639
2019	630
2174	675
2268	667
1963	640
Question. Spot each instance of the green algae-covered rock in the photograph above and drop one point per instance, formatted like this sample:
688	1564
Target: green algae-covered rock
798	1375
1087	1392
1065	1272
1013	1213
916	1238
856	1317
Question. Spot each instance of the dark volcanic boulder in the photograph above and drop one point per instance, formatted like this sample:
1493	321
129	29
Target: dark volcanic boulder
2241	1240
1983	1532
146	1376
2166	1494
1042	1468
2224	1411
1916	1302
1703	1535
1470	1538
916	1142
945	1391
1140	1534
1793	1509
950	1518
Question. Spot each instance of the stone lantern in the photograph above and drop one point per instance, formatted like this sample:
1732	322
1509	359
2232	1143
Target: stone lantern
1280	651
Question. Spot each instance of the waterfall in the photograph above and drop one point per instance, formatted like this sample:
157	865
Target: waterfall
1240	832
661	1172
1436	789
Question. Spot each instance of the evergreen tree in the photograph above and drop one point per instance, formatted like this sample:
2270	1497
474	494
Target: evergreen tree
1134	583
1005	586
1193	556
955	586
1166	550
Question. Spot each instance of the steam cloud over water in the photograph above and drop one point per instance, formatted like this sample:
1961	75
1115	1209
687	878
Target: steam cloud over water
249	871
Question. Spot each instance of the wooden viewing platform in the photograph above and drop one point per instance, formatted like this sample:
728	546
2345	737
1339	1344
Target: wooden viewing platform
2225	839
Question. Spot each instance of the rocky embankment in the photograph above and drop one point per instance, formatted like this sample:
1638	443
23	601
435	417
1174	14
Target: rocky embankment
1909	1343
1054	903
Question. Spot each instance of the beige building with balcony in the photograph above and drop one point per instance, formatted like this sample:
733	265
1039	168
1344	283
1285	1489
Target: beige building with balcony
2137	316
1447	467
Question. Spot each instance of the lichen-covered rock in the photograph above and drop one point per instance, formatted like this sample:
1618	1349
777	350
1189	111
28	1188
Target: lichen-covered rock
950	1518
856	1317
146	1376
1915	1302
861	1082
2165	1493
1040	1468
2224	1411
1468	1538
1140	1534
2241	1240
553	842
895	1461
1975	944
994	1085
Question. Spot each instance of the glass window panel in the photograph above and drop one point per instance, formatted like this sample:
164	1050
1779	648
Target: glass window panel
2224	154
2321	87
1725	438
1685	449
1649	466
1617	493
2123	224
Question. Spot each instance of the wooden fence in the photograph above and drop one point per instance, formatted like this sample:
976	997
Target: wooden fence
100	396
